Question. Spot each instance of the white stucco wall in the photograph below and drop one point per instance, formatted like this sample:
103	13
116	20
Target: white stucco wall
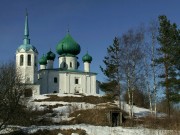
28	73
35	89
68	60
50	64
86	67
42	66
46	80
86	83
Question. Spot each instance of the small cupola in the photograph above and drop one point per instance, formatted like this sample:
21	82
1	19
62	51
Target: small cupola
43	60
50	55
87	58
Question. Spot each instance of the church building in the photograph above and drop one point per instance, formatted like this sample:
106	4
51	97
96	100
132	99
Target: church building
64	79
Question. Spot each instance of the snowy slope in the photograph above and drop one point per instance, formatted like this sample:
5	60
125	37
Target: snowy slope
67	107
104	130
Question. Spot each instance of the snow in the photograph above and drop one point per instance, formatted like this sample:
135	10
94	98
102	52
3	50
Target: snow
39	97
74	134
103	130
65	108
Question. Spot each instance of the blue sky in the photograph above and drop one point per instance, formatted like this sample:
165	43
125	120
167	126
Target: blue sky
92	23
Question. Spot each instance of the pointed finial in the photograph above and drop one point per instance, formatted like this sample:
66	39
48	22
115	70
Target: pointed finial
87	50
26	30
26	12
68	29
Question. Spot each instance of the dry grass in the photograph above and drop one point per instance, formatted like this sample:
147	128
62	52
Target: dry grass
98	117
50	107
28	117
86	99
172	123
56	131
51	132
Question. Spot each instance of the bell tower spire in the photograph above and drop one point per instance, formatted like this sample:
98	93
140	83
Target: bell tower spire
26	30
26	57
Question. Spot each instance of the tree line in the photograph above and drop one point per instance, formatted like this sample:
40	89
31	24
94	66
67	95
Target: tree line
143	62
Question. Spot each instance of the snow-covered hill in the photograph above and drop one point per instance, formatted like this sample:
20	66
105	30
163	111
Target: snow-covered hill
62	109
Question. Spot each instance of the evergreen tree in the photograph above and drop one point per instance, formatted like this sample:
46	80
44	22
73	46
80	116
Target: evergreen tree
169	55
112	70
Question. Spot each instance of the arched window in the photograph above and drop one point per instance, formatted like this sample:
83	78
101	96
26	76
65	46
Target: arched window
29	60
21	60
70	64
35	64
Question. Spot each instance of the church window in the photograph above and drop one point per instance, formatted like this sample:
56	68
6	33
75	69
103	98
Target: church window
21	60
29	60
70	64
76	81
55	79
35	61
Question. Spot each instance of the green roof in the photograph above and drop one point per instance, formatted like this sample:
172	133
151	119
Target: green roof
27	47
68	46
69	71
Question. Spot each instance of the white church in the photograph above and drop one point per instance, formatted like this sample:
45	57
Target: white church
64	79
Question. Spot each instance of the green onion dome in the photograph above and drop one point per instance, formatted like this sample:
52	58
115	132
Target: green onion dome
50	56
68	46
43	60
87	58
27	47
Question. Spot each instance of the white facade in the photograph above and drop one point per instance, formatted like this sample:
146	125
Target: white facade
72	82
64	82
26	63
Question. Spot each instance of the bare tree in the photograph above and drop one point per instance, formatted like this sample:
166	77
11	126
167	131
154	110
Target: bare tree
11	91
131	61
153	31
148	84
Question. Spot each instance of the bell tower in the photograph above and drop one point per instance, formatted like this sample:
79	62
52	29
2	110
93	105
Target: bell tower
26	58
